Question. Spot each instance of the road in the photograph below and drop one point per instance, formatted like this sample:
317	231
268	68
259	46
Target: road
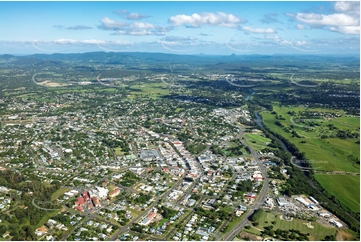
259	199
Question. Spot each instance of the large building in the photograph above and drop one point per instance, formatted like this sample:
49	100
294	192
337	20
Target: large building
96	202
114	193
99	192
282	201
148	155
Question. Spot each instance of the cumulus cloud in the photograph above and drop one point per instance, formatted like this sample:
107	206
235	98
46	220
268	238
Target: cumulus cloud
213	19
269	18
135	29
140	25
130	16
78	27
349	6
346	20
108	24
248	29
346	29
337	19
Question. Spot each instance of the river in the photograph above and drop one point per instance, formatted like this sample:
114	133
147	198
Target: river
259	122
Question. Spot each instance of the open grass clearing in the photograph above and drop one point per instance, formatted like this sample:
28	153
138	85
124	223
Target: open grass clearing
331	151
317	233
118	151
58	193
256	141
348	193
329	154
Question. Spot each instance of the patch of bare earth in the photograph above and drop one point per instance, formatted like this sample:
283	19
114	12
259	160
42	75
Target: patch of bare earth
249	236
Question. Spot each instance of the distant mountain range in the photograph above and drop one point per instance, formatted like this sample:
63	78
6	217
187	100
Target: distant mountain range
147	58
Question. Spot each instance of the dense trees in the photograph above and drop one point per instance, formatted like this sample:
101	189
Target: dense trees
167	212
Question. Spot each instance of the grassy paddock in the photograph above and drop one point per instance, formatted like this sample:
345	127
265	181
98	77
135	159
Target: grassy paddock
348	193
260	141
329	154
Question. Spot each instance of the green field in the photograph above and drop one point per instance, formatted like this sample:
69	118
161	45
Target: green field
256	141
151	90
58	193
328	154
349	196
316	233
118	151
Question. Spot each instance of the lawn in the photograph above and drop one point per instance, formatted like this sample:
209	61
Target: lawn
256	141
317	233
253	230
151	90
46	217
118	151
348	193
58	193
233	223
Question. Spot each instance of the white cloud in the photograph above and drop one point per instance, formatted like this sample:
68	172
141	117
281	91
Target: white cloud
300	27
135	29
346	29
337	19
259	30
346	20
213	19
347	6
108	24
140	25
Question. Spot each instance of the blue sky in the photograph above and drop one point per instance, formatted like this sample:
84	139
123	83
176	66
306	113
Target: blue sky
205	27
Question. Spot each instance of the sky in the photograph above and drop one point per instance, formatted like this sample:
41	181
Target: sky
213	28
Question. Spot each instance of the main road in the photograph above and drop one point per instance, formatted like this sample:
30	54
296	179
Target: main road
259	199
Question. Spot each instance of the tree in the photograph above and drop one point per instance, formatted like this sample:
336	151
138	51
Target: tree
256	215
